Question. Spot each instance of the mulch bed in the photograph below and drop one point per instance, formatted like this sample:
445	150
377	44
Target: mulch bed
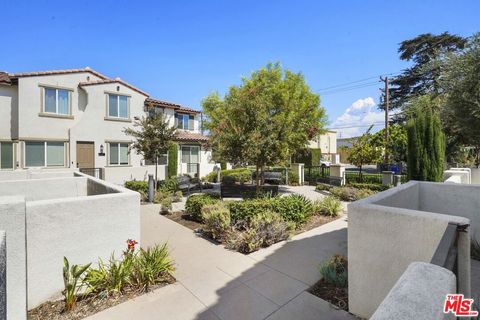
54	310
331	293
183	219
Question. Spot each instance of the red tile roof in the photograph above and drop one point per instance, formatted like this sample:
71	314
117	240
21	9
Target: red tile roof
55	72
150	102
190	136
106	81
5	78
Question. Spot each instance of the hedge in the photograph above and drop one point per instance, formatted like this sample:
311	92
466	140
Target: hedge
240	175
139	186
196	202
369	186
172	161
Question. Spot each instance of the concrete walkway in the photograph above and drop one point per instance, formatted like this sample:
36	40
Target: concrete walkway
215	283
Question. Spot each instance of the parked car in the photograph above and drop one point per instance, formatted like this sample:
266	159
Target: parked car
325	163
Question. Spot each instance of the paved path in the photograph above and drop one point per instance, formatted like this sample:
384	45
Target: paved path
215	283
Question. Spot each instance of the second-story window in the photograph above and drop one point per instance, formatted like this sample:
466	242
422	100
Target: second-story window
117	106
184	121
56	101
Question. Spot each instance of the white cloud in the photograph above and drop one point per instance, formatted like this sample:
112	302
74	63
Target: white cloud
357	118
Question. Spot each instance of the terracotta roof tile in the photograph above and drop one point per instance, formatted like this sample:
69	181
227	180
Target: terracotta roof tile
150	102
106	81
5	78
55	72
190	136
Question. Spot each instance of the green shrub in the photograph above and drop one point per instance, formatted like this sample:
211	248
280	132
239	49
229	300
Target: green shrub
323	187
294	208
328	206
223	165
364	193
370	186
335	271
263	230
240	175
139	186
344	193
166	204
245	210
72	277
229	180
217	220
152	266
168	185
293	178
195	203
177	196
172	161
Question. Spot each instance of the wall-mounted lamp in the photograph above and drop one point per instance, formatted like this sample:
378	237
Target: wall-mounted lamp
101	153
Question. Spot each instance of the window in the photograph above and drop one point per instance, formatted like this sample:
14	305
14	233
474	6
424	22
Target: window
6	155
190	154
117	106
56	101
44	154
184	121
162	160
118	155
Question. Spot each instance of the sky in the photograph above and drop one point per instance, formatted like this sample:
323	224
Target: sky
180	51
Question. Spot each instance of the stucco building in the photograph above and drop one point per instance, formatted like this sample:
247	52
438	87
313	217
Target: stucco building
327	143
76	119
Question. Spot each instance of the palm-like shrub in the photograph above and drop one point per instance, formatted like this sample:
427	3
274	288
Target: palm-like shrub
294	208
112	277
72	277
152	266
328	206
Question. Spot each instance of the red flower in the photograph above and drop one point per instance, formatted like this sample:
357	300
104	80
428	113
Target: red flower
131	244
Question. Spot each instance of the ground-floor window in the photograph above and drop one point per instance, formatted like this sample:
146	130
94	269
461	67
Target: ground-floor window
162	160
190	156
6	155
44	154
118	154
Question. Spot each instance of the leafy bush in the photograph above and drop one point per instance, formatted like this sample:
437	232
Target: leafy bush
71	278
328	206
229	180
168	185
240	175
139	186
195	203
335	271
166	204
217	220
323	187
364	193
152	266
247	209
370	186
344	193
263	230
295	208
293	178
177	196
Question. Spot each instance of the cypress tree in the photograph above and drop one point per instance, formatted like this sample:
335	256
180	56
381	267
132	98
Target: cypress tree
426	144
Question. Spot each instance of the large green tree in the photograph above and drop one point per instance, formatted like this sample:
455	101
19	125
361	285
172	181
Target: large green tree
264	120
397	142
422	77
460	82
153	137
426	142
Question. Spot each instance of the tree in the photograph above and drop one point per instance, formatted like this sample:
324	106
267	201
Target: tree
265	119
422	77
426	143
397	142
153	137
461	83
363	151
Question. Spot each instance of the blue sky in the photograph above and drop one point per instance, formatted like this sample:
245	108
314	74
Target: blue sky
181	50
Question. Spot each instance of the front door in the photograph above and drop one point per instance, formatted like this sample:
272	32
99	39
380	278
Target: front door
85	154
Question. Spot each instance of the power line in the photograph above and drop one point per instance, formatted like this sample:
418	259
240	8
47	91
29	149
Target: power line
357	81
375	124
359	86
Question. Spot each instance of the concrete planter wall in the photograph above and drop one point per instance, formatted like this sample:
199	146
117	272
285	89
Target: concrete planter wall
79	217
392	229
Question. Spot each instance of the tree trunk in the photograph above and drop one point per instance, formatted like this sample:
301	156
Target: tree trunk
360	175
156	169
257	180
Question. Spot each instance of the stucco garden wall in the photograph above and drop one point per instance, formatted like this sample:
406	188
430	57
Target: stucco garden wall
3	275
90	223
41	189
385	228
119	175
35	174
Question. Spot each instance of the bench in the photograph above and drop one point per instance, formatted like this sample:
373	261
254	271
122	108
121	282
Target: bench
271	177
185	183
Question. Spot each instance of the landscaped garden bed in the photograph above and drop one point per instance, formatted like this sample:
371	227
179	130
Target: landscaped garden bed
352	191
89	290
248	225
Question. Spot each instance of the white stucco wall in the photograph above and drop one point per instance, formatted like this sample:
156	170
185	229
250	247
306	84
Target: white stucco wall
42	189
12	220
327	142
8	112
387	232
119	175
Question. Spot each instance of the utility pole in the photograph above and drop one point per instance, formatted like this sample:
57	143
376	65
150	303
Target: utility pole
386	103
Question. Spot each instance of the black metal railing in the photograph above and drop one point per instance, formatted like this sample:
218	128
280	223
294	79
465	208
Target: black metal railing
94	172
317	174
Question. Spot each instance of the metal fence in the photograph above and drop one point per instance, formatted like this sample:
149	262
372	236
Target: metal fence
357	177
94	172
317	174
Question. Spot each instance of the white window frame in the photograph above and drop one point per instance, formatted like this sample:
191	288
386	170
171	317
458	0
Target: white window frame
69	112
13	155
118	106
190	152
45	155
183	122
118	156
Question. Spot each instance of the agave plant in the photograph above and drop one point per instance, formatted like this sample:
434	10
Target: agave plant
71	277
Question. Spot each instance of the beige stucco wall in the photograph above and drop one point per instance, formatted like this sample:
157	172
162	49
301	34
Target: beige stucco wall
327	142
8	112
